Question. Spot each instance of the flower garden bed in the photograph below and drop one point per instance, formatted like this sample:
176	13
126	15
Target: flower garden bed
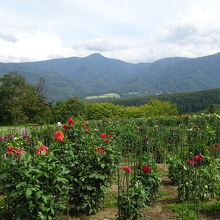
67	170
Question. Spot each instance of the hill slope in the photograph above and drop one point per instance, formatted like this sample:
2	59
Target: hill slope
96	74
186	102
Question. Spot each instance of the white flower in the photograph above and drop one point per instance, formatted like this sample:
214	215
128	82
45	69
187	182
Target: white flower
59	124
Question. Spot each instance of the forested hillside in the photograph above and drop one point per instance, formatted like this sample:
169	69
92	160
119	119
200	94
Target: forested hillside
96	75
186	102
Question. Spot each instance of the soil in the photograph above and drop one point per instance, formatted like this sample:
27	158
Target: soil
157	212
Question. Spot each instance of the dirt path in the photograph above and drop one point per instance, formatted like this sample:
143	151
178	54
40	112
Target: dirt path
169	194
157	212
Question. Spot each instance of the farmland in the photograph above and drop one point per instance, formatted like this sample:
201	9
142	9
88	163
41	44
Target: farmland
163	168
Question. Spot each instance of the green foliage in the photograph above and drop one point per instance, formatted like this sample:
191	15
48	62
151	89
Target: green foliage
91	161
212	207
157	108
175	168
196	180
71	107
138	186
186	102
21	102
95	75
99	111
35	186
131	201
186	210
110	200
2	210
86	154
191	211
133	112
109	110
150	180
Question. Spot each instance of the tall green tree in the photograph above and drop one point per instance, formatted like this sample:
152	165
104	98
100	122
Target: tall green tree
71	107
21	102
157	108
104	110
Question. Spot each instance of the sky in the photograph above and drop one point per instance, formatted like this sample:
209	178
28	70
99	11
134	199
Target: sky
131	30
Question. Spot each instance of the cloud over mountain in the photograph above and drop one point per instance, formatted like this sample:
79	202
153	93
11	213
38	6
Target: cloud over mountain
130	30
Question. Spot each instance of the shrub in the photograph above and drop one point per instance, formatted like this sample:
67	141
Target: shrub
35	185
196	178
148	176
91	158
132	196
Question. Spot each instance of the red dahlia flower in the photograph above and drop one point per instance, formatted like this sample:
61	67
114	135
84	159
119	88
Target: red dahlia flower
101	151
9	150
43	148
38	152
196	158
19	151
103	135
59	136
66	127
146	169
126	168
70	121
191	162
201	156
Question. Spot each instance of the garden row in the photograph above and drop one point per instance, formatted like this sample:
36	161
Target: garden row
67	169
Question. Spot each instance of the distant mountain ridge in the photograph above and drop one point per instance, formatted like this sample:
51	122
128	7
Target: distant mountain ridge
96	74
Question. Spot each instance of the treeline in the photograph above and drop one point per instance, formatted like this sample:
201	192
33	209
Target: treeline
185	102
89	111
21	102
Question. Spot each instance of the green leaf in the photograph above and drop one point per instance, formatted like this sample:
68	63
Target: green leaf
39	194
97	176
102	165
52	210
20	184
28	193
45	199
103	188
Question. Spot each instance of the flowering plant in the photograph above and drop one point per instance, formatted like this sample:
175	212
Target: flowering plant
148	176
196	178
132	201
27	183
91	157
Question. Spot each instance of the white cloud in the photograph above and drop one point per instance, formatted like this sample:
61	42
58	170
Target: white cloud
7	37
197	23
194	33
130	30
30	47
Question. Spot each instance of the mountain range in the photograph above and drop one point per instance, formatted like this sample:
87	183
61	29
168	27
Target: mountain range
96	75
